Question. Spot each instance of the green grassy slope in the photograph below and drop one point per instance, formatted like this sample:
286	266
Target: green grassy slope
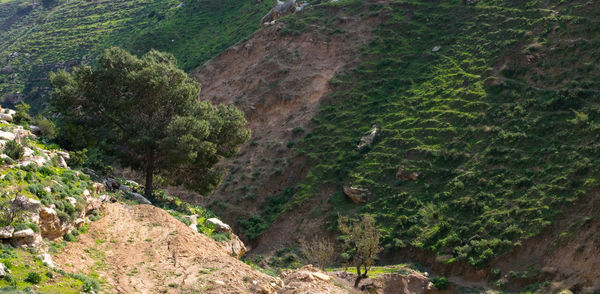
48	38
501	123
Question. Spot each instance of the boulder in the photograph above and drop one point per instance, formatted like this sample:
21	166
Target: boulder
220	226
281	8
357	195
63	154
407	175
27	233
138	197
3	270
50	225
367	140
111	184
24	203
6	232
92	204
6	117
35	130
62	163
7	136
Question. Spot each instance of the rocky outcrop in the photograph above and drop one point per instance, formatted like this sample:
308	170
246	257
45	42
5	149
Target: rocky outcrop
367	141
357	195
236	247
281	8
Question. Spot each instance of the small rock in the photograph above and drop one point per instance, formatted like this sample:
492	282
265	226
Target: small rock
3	270
436	49
27	152
86	193
321	276
71	200
106	198
97	188
47	260
220	283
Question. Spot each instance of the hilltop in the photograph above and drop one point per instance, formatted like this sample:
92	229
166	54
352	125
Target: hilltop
37	37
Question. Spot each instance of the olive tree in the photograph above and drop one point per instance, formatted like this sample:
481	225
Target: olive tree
360	240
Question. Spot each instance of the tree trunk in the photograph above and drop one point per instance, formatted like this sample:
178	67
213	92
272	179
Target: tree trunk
149	174
358	277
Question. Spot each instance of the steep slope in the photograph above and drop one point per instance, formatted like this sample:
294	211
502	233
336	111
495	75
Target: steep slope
486	114
279	78
36	39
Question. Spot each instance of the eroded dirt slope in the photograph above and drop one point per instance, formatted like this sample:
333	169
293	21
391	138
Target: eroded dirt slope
278	80
142	249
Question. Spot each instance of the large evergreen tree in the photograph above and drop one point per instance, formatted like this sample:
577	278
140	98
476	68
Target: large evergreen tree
146	112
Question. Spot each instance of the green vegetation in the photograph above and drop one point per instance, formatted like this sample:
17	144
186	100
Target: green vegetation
26	271
154	122
499	122
66	33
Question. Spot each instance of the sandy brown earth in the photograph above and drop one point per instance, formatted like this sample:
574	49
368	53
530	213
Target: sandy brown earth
143	249
279	81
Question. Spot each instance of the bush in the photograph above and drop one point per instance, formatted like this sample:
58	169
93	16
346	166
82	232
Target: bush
440	283
14	150
47	127
33	278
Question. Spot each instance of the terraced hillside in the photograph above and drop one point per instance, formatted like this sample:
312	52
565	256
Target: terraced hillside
493	105
36	39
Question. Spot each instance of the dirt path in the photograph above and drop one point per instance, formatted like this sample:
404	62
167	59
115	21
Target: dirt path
142	249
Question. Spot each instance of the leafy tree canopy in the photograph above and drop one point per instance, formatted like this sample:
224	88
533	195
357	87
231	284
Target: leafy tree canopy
146	112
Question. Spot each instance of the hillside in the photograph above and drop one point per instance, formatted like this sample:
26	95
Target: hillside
486	119
36	38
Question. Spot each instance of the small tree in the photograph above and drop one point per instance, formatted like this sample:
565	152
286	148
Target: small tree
22	113
360	244
147	112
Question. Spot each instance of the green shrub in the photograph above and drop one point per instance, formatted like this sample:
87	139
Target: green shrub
14	150
33	278
440	283
69	237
